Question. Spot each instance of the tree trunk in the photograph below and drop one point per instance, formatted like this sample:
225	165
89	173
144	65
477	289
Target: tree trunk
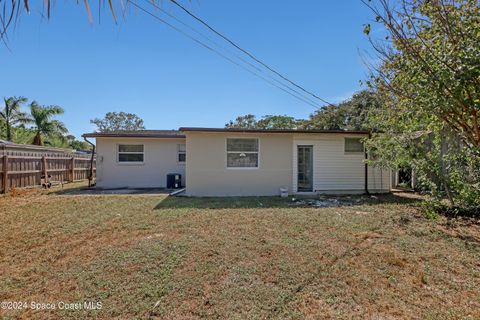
448	192
37	140
443	169
9	131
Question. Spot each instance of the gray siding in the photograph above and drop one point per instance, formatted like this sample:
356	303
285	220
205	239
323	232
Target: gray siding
336	170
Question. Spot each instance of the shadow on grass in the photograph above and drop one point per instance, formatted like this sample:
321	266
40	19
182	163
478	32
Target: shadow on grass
278	202
84	190
66	189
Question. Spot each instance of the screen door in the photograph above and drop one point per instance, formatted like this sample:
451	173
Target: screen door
305	168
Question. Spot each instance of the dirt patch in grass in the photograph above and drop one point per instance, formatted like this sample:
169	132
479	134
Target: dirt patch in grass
170	258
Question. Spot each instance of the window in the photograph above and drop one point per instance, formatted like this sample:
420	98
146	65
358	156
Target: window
354	145
130	153
182	153
242	153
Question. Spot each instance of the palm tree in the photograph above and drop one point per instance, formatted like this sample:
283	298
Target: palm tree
43	124
11	115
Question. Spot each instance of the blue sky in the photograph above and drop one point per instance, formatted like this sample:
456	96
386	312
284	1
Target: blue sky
141	66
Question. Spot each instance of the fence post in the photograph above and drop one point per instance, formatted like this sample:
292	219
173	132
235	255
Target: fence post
72	173
5	174
44	169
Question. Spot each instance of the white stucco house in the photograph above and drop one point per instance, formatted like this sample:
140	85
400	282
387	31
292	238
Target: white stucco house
239	162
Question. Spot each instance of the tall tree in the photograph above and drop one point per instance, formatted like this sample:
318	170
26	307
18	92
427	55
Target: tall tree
429	83
11	114
43	123
351	114
119	121
278	122
432	60
248	121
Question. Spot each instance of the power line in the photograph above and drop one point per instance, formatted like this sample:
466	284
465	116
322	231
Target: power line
248	53
220	54
197	32
229	51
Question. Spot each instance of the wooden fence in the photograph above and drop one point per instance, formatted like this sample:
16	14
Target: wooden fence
25	169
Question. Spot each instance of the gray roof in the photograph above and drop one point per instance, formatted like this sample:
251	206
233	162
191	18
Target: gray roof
137	134
180	133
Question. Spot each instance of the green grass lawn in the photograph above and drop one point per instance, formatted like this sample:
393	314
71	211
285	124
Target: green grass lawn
156	257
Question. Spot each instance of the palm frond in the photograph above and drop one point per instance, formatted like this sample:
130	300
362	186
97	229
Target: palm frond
44	124
89	12
59	126
112	11
24	118
54	110
12	10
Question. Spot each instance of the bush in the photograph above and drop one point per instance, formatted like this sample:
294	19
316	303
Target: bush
432	208
464	212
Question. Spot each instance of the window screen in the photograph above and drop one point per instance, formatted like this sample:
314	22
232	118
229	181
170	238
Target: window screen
182	153
242	153
130	153
354	145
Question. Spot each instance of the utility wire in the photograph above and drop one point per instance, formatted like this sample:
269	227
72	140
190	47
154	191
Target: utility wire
248	53
301	94
220	54
198	32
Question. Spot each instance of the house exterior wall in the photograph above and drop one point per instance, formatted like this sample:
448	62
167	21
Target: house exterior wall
336	171
207	173
160	158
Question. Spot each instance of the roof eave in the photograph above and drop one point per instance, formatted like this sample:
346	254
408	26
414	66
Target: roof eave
126	135
302	131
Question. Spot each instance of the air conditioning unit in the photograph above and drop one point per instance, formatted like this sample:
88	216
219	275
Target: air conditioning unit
174	181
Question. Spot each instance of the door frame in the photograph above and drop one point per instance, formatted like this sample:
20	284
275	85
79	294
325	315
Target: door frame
312	166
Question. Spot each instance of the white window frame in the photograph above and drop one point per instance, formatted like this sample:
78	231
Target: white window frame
180	152
353	152
123	152
242	168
